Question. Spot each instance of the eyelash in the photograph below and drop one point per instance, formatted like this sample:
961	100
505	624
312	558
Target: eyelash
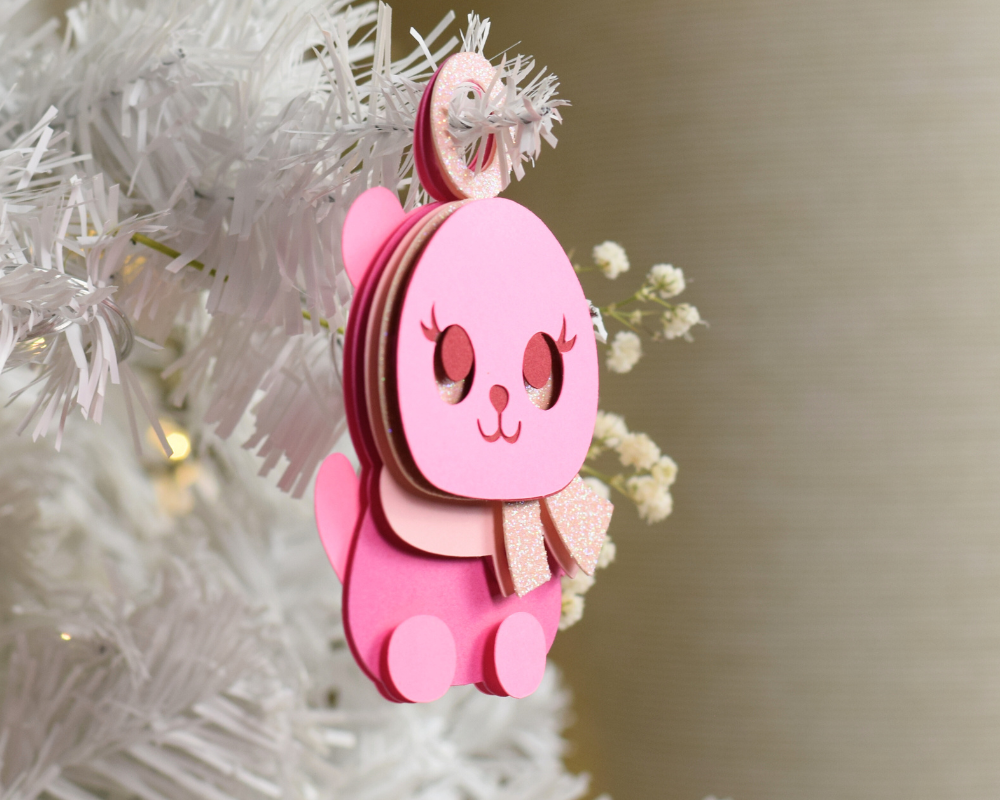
432	332
561	344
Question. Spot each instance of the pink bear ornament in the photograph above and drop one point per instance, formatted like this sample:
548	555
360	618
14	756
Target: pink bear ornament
470	379
470	372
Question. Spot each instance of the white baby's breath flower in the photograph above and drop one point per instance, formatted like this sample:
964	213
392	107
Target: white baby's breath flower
607	555
609	429
635	318
574	588
624	352
639	451
572	611
611	259
598	487
677	321
664	281
651	497
578	584
664	470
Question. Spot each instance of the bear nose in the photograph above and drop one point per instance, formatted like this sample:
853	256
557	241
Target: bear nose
498	396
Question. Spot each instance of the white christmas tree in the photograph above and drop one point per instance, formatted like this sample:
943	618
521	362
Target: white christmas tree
173	178
173	181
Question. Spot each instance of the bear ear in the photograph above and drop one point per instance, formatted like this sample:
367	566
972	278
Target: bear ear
370	221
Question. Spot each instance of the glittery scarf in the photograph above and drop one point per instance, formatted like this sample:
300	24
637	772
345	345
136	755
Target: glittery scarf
572	522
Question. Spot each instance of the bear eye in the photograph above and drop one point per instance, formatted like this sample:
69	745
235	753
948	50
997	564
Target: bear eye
454	364
543	368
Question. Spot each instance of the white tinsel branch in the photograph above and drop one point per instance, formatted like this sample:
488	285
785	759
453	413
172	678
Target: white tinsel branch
58	232
518	118
172	630
202	656
102	700
238	134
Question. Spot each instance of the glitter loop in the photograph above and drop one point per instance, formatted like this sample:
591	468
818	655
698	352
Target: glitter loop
463	69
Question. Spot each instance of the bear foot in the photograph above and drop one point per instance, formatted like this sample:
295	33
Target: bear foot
420	659
519	654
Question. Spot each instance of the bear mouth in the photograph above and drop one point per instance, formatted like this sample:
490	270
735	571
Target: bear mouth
498	433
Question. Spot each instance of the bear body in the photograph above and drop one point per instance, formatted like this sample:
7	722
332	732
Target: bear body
388	582
463	433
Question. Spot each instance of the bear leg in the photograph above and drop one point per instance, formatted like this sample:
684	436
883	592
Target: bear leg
420	659
519	652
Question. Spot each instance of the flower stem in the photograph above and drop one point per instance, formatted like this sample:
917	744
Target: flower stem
613	306
663	303
160	247
139	238
614	481
615	315
595	473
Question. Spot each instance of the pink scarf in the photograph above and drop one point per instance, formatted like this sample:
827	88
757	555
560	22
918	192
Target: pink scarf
572	522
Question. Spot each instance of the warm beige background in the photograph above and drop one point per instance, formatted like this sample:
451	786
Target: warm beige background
820	619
